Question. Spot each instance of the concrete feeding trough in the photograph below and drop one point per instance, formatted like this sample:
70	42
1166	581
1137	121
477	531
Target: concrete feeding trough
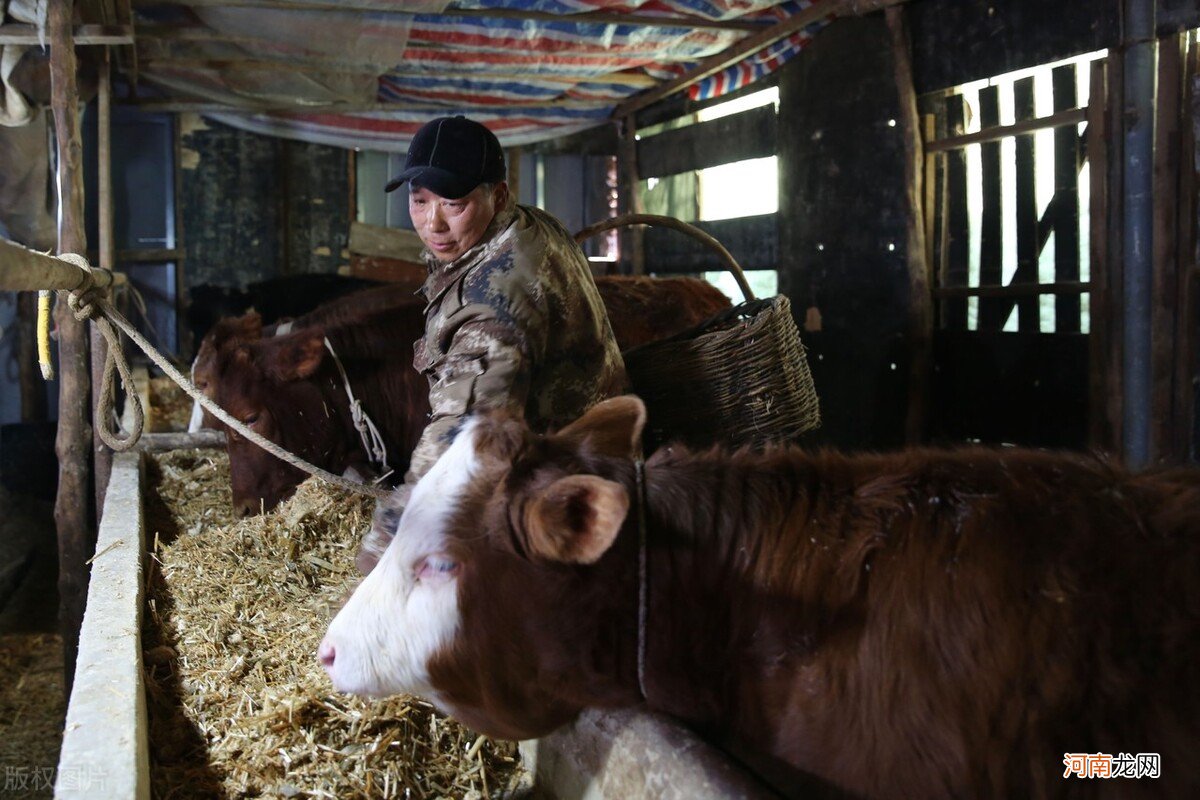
107	752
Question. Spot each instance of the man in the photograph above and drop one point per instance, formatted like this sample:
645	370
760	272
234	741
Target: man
513	319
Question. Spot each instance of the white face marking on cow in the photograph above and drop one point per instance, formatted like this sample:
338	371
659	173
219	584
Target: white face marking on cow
197	412
406	609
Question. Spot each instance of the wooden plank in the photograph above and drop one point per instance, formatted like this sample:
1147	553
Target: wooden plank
920	302
991	229
737	137
74	438
389	8
749	46
995	132
1026	210
956	233
375	240
20	33
753	242
1015	290
1064	220
1164	438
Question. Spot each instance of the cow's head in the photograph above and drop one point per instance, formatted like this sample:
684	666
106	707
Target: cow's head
272	385
505	595
228	332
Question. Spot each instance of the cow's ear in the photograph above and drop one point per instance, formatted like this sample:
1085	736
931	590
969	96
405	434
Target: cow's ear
297	356
251	325
576	519
612	427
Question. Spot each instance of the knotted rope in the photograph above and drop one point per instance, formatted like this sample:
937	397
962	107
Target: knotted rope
89	302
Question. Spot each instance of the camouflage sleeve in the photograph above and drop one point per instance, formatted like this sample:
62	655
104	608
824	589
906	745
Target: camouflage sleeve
488	365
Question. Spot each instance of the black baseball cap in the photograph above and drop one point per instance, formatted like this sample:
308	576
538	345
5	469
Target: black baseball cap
450	156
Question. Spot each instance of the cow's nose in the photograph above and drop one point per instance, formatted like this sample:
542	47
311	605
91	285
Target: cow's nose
326	654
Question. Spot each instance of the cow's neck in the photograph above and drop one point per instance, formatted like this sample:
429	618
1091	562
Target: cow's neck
730	564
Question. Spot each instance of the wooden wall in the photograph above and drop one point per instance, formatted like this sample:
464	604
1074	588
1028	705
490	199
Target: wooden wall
842	228
255	207
957	41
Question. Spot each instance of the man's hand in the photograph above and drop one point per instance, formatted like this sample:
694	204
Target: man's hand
384	524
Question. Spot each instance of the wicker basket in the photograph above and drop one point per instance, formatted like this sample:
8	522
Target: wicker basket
740	377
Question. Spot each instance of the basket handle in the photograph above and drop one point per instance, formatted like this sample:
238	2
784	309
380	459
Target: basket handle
675	224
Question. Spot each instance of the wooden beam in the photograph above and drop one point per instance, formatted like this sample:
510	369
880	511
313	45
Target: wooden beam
25	270
920	302
1188	318
587	17
19	33
629	201
1166	443
995	133
1013	290
750	134
104	208
1099	431
751	45
73	441
373	240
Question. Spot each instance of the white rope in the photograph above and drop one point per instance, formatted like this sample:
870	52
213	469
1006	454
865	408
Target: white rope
372	440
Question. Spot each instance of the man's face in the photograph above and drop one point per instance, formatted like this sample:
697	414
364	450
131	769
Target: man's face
450	228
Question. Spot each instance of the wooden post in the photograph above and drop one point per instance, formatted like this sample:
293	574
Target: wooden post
920	302
101	451
1187	275
73	442
1165	439
628	202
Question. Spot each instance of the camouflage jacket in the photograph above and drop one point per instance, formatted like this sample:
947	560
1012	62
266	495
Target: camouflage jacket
515	322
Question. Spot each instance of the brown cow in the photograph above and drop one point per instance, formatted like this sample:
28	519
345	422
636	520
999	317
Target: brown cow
249	327
923	624
643	309
290	390
244	375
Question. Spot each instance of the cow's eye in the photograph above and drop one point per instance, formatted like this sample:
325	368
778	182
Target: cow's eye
250	419
437	567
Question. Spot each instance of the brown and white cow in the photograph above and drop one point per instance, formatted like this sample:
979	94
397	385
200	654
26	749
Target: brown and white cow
922	624
245	374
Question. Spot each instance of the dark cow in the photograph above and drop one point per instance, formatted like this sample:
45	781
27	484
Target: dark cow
274	299
245	378
915	625
290	390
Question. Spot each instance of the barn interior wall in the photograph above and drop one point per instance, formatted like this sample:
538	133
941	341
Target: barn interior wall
957	41
256	207
842	229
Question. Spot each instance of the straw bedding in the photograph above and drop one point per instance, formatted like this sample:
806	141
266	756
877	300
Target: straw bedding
170	406
238	704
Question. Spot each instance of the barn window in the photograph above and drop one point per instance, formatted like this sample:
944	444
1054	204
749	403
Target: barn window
722	176
1008	200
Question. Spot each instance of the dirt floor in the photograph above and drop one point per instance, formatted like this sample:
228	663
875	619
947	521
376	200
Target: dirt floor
32	705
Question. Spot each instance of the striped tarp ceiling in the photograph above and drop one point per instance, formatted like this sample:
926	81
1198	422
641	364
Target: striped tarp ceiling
368	73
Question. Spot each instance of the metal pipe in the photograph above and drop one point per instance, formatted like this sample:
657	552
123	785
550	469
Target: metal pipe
1141	51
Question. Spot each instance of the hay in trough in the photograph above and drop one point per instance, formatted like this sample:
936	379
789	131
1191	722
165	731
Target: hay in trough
239	705
170	406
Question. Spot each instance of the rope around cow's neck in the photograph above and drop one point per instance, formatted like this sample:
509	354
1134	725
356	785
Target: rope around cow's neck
90	303
639	467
